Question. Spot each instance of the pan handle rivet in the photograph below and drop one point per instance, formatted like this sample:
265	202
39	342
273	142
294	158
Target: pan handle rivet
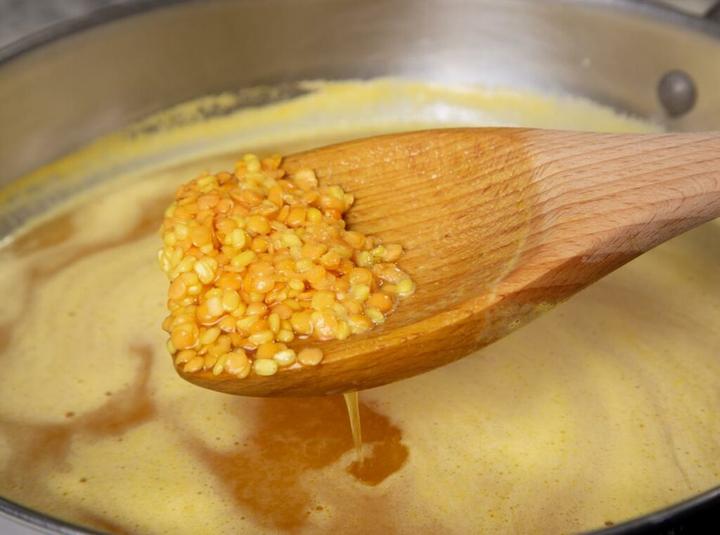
677	93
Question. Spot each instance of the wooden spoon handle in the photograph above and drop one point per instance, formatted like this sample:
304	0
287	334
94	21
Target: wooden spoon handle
602	199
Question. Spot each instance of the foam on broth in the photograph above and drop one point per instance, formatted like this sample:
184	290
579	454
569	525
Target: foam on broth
603	409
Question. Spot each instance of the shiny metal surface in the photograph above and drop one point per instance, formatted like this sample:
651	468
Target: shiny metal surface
73	82
18	520
58	96
677	93
714	13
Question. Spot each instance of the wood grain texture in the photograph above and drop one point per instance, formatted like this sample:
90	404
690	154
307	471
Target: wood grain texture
499	225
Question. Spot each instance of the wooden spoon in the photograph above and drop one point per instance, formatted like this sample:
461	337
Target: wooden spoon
500	225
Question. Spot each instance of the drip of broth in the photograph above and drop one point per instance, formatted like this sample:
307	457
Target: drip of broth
353	408
601	410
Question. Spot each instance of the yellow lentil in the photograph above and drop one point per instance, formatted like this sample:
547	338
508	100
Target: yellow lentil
268	350
381	301
237	363
260	258
261	337
186	355
209	336
194	365
265	367
310	356
285	335
375	315
285	357
405	287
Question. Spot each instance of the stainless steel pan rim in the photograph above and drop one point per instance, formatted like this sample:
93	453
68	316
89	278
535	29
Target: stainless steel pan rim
67	27
698	513
135	7
41	521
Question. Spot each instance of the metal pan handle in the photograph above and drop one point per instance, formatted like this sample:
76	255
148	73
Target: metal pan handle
714	12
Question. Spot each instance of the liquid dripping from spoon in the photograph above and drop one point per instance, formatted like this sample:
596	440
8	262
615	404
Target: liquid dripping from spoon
351	400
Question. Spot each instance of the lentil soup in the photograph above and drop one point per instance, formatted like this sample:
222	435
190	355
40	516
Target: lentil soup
603	409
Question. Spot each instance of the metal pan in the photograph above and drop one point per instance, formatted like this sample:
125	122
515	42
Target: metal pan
75	81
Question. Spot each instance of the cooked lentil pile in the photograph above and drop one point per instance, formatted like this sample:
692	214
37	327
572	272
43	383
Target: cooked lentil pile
259	258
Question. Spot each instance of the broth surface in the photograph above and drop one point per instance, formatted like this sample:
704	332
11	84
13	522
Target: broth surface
603	409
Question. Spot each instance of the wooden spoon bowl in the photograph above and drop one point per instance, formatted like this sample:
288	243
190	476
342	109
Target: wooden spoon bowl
499	225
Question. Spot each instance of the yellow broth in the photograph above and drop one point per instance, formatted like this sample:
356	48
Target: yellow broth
603	409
